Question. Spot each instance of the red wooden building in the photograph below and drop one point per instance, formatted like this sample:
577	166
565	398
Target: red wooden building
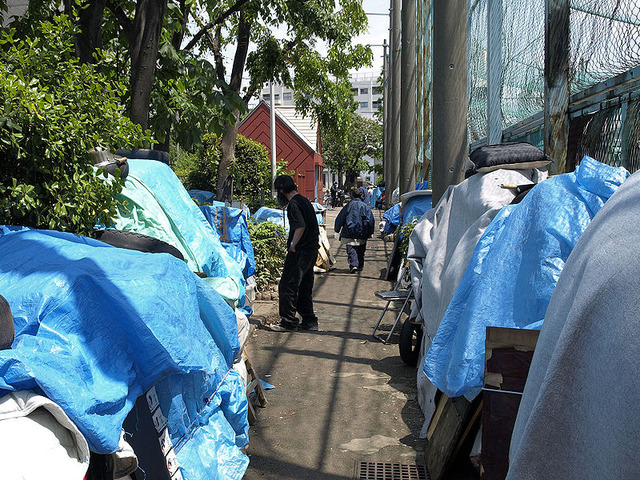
297	143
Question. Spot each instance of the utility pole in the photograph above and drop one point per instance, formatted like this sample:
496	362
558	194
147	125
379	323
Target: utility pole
272	111
494	73
407	167
449	94
385	113
556	84
392	181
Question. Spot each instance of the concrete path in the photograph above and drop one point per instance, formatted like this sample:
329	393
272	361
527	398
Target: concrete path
341	396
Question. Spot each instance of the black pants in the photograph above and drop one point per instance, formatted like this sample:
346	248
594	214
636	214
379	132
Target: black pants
355	255
296	288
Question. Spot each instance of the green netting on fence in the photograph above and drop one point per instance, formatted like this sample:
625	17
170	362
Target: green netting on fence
604	42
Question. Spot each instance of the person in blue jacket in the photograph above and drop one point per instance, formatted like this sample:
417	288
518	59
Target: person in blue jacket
355	224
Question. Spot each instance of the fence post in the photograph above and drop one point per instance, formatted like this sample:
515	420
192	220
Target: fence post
556	86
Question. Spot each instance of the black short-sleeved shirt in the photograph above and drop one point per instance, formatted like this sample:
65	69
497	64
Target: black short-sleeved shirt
300	213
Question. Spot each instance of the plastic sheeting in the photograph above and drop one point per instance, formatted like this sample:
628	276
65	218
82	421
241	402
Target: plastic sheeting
273	215
376	195
203	196
154	203
442	244
96	326
231	226
392	217
414	207
514	269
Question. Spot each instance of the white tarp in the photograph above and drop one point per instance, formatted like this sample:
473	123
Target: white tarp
38	440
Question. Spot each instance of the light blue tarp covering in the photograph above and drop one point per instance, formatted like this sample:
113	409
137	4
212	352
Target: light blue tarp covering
414	208
376	195
165	196
273	215
392	217
514	270
202	196
96	326
319	209
231	225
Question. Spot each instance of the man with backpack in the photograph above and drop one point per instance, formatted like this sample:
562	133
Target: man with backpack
355	224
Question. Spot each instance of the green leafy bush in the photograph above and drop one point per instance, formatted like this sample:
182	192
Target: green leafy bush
405	232
251	170
269	243
52	111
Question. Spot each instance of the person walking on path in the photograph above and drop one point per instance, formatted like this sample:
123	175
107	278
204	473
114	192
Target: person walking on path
296	283
355	224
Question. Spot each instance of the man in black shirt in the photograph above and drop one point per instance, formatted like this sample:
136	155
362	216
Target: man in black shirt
296	284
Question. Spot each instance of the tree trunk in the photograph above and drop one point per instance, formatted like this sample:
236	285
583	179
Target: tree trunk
228	142
147	27
228	147
90	36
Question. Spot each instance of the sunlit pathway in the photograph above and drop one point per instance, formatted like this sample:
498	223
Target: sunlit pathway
340	395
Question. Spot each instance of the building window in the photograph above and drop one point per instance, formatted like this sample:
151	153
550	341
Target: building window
376	104
377	90
364	91
287	96
354	91
364	104
265	96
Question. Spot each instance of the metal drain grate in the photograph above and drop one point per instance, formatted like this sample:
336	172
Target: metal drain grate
389	471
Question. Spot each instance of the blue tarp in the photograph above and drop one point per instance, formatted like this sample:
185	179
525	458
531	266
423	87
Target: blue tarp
203	196
376	195
514	270
414	207
392	217
231	225
273	215
96	326
154	202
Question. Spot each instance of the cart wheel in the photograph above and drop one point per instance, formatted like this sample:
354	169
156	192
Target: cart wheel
409	342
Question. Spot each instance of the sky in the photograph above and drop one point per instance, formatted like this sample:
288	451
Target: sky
378	32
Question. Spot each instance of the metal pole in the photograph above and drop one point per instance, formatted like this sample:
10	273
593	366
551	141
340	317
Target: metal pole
407	167
494	74
385	114
449	94
394	153
556	85
272	111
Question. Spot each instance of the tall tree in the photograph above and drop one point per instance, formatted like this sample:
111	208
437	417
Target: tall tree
320	81
344	152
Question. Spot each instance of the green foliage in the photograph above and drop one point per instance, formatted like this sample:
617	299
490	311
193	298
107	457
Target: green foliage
251	170
344	151
53	111
405	231
269	243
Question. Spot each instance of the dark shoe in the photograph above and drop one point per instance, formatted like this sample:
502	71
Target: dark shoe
311	327
279	327
353	269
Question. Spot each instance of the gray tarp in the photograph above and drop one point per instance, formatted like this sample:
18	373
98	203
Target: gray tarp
442	244
579	417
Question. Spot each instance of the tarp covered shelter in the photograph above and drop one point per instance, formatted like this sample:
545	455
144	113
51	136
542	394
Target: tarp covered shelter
96	326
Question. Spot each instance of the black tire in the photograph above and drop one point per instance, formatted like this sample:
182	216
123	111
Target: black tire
145	154
409	343
136	241
7	328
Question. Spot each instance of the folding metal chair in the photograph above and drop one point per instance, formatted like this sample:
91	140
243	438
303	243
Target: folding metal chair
398	294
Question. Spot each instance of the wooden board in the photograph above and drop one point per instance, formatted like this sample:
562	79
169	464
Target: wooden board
508	355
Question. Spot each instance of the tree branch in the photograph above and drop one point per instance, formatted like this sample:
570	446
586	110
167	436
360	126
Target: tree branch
217	55
221	18
123	20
